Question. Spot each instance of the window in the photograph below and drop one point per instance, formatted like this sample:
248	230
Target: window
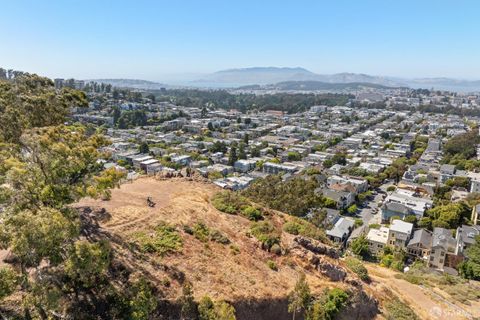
433	251
431	258
442	254
441	261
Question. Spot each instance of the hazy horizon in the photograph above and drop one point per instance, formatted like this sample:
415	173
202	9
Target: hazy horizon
165	41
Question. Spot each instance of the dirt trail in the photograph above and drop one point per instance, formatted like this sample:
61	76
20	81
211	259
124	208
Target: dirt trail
426	303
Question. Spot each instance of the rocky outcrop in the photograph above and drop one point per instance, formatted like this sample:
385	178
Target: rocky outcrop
323	259
327	269
317	247
316	256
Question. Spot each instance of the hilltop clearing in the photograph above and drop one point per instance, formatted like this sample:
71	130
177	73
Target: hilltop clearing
255	281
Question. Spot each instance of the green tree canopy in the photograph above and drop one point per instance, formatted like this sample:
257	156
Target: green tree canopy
30	101
470	268
359	246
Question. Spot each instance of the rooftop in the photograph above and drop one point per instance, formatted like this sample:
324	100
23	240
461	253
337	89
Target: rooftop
401	226
378	235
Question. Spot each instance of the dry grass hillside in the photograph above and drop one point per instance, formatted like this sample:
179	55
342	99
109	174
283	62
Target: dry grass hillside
239	271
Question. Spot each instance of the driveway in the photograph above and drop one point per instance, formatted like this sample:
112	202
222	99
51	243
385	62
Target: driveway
366	213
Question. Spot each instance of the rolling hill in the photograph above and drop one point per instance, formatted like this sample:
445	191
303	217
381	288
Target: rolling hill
274	75
270	75
292	78
316	86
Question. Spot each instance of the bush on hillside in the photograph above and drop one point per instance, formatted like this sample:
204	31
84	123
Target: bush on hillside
163	240
233	203
358	268
266	233
297	226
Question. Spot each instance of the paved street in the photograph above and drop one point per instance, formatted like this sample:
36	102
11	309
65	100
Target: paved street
367	212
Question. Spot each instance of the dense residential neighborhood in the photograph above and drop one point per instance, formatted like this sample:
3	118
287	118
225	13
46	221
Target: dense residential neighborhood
353	190
379	159
239	160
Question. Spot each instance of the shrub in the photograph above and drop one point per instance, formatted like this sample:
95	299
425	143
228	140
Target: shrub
233	203
391	188
294	156
224	311
218	310
397	265
251	213
225	201
411	218
358	268
276	249
392	258
386	260
272	265
234	249
266	233
217	236
188	229
312	171
297	226
8	281
393	218
374	226
397	310
292	227
142	301
165	239
352	209
328	306
359	246
206	309
229	202
358	222
201	231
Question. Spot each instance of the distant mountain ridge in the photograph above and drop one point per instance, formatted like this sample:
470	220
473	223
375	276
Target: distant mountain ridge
275	75
271	75
285	78
258	75
315	86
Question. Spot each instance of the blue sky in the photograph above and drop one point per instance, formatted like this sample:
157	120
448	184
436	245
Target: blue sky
155	40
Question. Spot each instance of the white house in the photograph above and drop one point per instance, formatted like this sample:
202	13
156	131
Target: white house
377	239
